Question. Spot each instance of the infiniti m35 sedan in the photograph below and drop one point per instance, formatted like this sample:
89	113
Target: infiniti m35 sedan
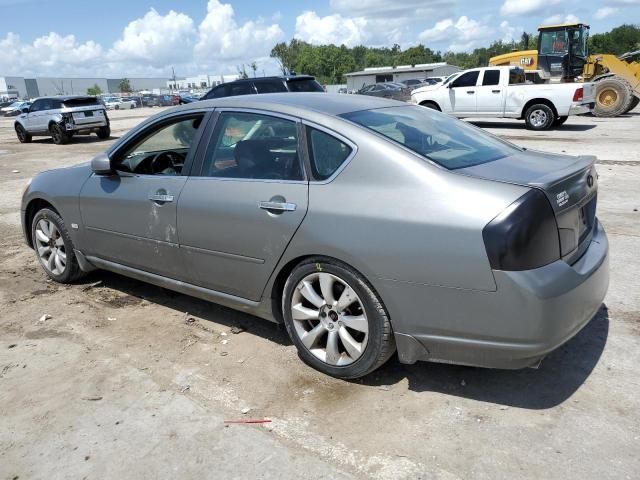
365	225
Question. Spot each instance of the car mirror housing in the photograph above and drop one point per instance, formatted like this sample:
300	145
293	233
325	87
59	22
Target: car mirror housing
25	110
101	164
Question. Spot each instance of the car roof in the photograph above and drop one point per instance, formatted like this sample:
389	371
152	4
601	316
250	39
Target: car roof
64	97
274	77
294	103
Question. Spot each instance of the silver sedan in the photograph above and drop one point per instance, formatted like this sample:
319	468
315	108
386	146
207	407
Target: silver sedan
367	226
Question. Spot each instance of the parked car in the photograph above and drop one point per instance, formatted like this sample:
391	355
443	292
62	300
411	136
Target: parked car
290	83
411	82
503	92
395	91
14	109
61	118
150	100
187	99
433	80
404	227
118	103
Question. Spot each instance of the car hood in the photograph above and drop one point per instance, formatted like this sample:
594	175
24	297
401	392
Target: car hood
426	88
565	179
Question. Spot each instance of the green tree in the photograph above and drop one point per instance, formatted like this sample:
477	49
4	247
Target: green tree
253	67
125	86
95	90
242	71
622	39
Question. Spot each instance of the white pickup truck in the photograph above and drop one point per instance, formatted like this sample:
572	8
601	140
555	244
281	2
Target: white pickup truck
503	92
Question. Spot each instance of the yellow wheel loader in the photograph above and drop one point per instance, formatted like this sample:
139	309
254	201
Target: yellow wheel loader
563	56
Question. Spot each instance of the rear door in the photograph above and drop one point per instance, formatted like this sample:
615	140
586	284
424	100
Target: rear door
130	217
489	94
243	203
462	93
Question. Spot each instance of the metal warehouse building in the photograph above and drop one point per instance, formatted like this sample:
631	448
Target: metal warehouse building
20	87
356	80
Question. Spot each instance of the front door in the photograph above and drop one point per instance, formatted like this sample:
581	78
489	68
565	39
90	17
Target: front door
462	93
130	217
237	214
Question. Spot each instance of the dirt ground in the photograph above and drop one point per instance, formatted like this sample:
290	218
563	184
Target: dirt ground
127	380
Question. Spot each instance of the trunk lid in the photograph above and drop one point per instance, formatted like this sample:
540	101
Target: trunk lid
569	183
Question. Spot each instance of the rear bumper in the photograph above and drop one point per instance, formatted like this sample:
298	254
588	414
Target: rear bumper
580	109
530	314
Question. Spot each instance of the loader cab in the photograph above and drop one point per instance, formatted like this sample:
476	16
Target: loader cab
562	50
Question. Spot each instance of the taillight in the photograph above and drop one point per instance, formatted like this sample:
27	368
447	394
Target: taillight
524	236
579	95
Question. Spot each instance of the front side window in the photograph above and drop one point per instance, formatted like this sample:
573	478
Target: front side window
163	150
327	153
36	106
449	142
253	146
468	79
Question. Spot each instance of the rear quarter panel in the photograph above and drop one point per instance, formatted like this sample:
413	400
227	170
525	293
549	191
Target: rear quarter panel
560	94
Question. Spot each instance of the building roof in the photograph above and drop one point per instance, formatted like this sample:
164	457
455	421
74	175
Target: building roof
423	67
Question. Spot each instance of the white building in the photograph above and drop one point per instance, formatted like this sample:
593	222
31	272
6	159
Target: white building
199	82
20	87
357	80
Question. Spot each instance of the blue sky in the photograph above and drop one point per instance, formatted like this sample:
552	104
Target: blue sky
72	37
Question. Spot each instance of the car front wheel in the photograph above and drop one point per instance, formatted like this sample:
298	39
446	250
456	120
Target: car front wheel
23	135
336	320
54	248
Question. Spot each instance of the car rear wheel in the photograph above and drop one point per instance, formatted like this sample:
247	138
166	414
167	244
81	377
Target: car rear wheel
23	135
53	247
539	117
337	322
104	132
58	135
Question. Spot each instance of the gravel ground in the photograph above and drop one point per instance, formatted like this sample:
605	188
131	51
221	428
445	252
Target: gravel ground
127	380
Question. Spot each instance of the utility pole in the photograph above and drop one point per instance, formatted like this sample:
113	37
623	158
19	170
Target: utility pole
173	71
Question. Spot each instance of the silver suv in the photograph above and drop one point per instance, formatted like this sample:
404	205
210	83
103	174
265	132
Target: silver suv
61	118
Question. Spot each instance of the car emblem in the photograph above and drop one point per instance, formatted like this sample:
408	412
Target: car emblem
590	181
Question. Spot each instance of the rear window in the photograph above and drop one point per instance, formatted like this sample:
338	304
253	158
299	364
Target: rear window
304	85
270	86
81	102
447	141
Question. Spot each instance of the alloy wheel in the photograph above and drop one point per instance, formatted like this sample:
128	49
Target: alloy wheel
329	319
538	118
50	247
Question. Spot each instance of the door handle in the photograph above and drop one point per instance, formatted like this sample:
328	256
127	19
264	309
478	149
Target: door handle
278	206
495	91
471	91
161	197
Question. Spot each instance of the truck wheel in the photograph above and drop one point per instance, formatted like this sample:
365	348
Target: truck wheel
559	121
22	134
58	135
104	132
539	117
613	97
634	104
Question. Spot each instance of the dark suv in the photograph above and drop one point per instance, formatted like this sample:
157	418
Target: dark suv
292	83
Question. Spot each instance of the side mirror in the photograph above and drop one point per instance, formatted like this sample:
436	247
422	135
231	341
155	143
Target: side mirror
101	164
25	109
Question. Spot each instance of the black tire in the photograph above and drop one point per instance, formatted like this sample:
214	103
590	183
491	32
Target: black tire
560	121
117	107
23	135
431	105
539	117
613	97
59	136
380	341
72	271
104	132
634	104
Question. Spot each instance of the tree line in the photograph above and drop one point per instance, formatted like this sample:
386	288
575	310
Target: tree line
329	63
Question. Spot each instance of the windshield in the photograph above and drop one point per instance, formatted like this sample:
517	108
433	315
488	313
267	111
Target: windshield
553	42
447	141
449	78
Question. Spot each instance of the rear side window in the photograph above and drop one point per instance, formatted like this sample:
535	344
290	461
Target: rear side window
468	79
327	153
304	85
270	86
491	77
80	102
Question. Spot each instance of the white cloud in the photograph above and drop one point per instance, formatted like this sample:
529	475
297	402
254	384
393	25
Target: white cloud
605	12
221	39
512	8
466	33
155	39
385	9
334	29
560	19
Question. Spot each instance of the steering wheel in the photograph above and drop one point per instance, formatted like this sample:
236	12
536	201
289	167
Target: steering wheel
164	162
